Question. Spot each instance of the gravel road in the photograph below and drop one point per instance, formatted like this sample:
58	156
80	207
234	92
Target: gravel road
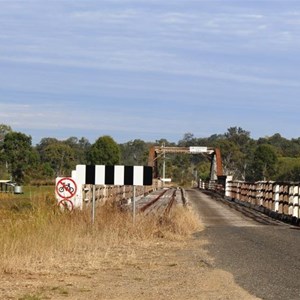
262	254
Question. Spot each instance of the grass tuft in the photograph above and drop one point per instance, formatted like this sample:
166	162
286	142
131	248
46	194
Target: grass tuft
30	297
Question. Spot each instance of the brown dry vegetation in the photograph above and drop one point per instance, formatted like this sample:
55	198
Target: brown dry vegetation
35	233
46	254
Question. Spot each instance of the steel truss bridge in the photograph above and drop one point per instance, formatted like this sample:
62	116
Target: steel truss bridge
213	154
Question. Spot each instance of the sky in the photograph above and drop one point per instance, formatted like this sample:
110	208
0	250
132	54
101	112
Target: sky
137	69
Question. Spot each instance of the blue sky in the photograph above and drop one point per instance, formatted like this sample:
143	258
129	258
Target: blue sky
149	69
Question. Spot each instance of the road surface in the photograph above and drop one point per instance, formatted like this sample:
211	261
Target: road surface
262	254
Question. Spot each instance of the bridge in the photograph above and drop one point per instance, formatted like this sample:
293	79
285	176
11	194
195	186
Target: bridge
277	199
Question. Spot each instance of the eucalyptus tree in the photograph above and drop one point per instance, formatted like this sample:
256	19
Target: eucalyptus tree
237	149
81	147
134	152
4	129
104	151
264	163
57	156
19	154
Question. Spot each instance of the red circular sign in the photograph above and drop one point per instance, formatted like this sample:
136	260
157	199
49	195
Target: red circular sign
66	204
66	188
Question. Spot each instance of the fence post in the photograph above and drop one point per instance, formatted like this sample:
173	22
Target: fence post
296	201
93	203
228	188
286	199
276	197
291	199
133	202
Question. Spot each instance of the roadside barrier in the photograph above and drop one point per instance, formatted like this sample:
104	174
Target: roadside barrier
278	199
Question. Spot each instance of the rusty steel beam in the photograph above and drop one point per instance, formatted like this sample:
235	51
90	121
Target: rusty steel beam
161	149
219	162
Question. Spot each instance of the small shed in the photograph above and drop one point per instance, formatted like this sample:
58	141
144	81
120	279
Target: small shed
7	186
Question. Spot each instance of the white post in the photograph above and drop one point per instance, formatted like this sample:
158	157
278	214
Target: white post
296	202
291	200
93	204
133	203
228	186
276	197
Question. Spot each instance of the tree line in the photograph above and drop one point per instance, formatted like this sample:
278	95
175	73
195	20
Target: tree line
267	158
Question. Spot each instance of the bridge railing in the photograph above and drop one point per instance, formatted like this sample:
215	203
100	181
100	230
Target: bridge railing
278	199
281	198
105	193
213	185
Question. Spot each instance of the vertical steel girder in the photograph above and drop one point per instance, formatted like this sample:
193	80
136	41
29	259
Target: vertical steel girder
152	161
216	168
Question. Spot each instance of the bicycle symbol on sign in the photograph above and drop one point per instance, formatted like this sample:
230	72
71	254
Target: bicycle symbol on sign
66	187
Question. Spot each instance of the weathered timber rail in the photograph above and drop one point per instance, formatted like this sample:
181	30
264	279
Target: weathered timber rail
109	193
151	203
162	202
280	200
149	199
170	204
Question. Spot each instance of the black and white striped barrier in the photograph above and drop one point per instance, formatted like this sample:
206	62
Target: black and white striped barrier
114	175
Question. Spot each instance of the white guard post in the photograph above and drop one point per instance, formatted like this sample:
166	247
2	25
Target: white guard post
78	202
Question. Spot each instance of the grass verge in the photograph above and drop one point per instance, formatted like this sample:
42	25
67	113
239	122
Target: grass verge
36	236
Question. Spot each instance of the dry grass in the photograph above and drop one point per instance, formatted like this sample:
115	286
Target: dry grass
35	235
45	254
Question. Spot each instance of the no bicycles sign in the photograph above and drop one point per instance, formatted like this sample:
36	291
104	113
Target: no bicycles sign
66	188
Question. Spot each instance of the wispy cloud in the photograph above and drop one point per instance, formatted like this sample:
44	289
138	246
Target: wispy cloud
161	50
202	53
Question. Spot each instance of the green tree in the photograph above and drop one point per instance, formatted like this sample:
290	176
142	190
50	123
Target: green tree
188	140
61	158
19	154
4	129
164	142
237	150
80	147
203	170
287	169
238	136
264	163
283	146
182	171
291	175
104	151
232	158
134	152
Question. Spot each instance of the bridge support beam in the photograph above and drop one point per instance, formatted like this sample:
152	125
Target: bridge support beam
213	154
